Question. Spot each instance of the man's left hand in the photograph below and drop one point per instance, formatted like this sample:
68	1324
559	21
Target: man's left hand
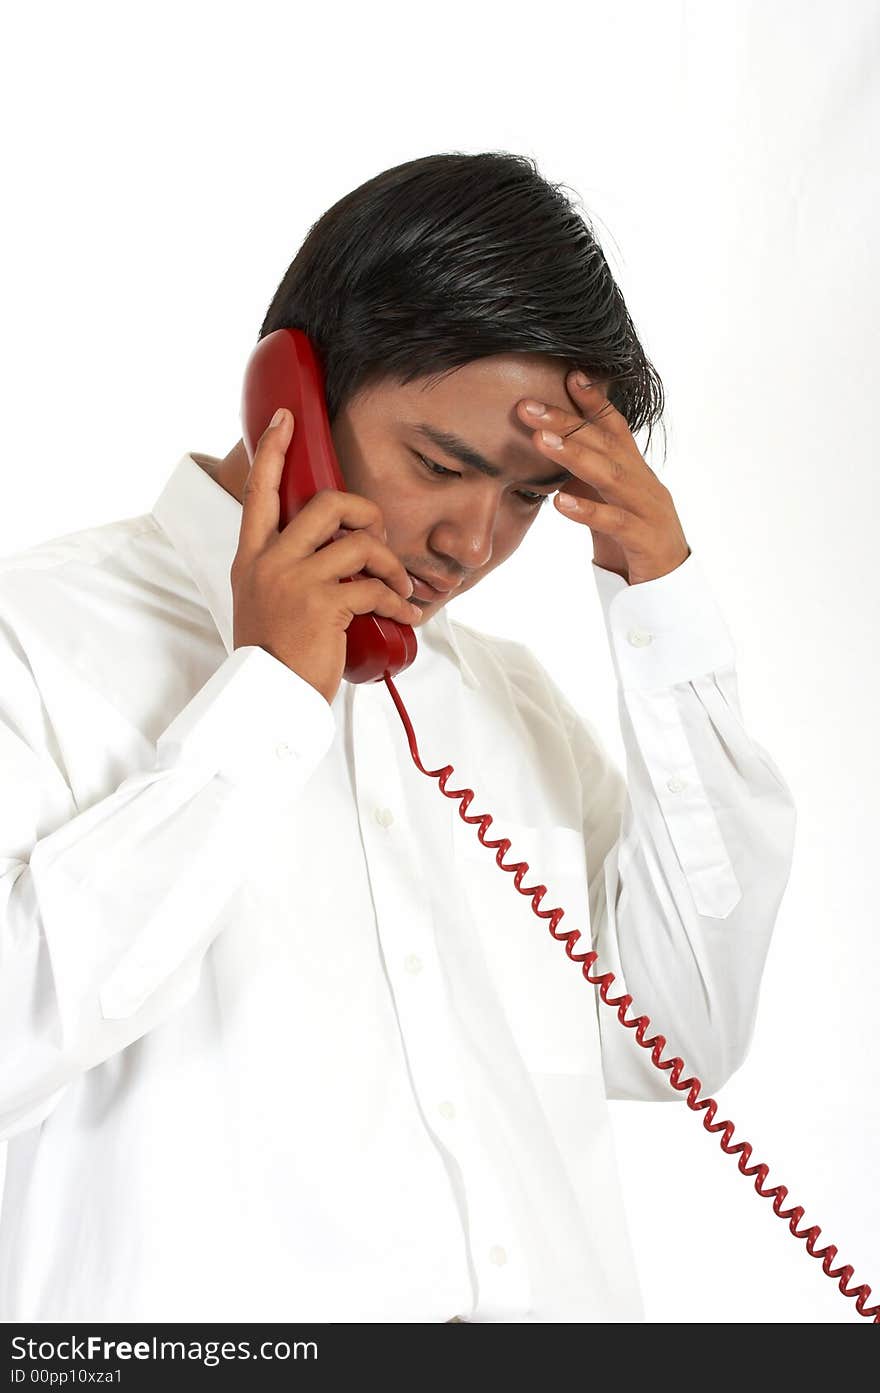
636	530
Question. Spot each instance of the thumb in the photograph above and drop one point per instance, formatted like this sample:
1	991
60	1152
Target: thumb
271	451
282	422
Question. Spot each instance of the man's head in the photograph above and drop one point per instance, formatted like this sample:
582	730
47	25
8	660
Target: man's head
437	295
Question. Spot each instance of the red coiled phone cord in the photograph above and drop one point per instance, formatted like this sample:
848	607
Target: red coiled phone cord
640	1024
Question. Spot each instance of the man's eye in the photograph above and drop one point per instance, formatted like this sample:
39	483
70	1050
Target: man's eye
434	468
532	500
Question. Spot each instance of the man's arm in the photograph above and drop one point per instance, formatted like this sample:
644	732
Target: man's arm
689	856
106	913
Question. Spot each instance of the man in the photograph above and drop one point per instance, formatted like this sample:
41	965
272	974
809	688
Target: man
279	1040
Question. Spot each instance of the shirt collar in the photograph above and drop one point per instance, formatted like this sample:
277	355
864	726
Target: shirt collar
441	628
202	522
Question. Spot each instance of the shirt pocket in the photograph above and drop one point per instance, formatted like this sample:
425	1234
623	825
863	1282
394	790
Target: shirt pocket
549	1005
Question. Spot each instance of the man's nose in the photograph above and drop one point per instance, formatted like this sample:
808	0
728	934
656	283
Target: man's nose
468	538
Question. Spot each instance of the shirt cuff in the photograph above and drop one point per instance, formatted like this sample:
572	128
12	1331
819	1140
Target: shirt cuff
666	630
253	723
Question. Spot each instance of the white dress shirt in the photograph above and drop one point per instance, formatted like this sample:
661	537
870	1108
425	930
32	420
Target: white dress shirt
278	1039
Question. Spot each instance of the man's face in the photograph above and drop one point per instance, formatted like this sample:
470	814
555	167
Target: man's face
455	526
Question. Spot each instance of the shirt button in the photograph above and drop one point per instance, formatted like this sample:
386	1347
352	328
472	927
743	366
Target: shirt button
639	638
283	751
413	963
446	1109
384	816
675	785
498	1256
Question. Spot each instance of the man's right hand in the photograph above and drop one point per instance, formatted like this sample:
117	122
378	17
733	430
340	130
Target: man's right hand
293	600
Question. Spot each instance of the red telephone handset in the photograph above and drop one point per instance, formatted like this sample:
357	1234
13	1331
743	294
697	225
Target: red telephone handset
284	370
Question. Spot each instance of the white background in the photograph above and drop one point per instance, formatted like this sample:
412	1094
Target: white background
162	166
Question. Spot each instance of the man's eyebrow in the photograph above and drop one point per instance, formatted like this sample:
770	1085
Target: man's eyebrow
459	449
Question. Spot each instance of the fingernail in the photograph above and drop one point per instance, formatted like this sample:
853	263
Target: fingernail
536	408
581	380
278	417
550	437
566	500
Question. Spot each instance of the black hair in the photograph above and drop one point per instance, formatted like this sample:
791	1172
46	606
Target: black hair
452	257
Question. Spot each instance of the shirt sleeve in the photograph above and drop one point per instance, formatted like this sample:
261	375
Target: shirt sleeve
106	913
689	856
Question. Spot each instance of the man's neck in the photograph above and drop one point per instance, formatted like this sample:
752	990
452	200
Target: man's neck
230	473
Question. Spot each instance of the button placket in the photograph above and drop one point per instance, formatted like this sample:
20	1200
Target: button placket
405	923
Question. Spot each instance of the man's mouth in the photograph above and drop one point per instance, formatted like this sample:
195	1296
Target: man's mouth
424	590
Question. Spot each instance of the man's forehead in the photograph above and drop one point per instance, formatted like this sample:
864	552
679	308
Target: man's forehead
493	385
514	375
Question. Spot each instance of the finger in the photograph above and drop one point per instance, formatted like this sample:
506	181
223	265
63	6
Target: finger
558	439
330	516
260	504
591	398
537	414
364	595
607	518
361	552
